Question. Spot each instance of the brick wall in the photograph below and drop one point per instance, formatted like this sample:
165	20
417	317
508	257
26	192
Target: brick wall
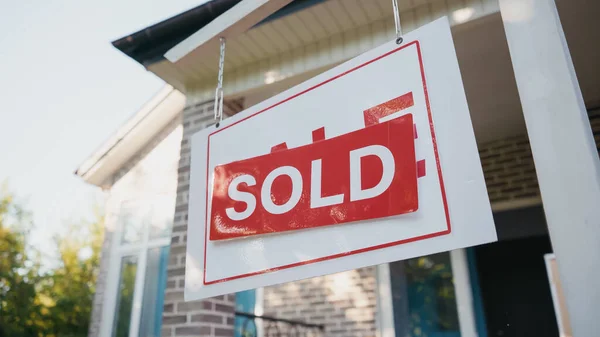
344	302
509	170
210	317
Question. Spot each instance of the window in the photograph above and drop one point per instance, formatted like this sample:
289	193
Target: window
125	296
424	297
249	301
138	275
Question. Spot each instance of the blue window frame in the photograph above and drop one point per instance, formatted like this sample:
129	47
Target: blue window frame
245	301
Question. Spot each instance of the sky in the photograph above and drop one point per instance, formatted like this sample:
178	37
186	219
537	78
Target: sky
64	89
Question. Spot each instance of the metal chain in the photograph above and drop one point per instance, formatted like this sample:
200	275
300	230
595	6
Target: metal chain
219	90
399	38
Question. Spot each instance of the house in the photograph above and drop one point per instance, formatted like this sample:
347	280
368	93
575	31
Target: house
498	289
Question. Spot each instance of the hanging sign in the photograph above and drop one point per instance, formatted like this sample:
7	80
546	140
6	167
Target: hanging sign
370	162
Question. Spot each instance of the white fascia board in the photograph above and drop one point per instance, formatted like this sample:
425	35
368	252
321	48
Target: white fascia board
237	20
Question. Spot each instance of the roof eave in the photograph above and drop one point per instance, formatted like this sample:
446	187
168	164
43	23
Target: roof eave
150	44
131	137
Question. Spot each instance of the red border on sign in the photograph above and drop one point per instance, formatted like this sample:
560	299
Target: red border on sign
448	230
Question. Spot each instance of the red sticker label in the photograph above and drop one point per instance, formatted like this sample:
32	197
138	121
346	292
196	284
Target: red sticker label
365	174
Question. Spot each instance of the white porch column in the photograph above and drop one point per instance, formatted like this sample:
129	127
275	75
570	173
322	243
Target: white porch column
385	306
464	294
564	151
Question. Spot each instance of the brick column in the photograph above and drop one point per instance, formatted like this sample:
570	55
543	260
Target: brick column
210	317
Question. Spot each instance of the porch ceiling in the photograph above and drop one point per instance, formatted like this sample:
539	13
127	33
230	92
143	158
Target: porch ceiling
285	49
326	21
314	23
488	76
582	29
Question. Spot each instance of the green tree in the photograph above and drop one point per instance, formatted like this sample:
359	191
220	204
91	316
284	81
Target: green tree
21	311
70	287
57	303
431	295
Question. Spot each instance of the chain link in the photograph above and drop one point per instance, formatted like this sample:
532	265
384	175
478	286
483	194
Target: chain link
219	91
399	38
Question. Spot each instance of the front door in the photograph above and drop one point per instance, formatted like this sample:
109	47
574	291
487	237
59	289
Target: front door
516	295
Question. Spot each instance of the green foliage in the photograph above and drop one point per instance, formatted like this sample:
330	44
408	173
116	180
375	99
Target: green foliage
71	286
20	309
431	295
58	302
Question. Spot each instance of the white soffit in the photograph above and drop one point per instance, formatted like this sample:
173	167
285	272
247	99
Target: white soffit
235	21
309	38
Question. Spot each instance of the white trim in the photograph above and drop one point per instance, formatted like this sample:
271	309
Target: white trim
110	298
557	310
138	292
235	21
112	277
516	204
463	291
385	308
259	310
130	249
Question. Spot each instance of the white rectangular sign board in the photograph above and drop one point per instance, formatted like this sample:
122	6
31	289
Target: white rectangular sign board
370	162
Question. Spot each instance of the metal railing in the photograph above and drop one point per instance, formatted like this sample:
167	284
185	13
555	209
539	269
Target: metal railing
276	327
